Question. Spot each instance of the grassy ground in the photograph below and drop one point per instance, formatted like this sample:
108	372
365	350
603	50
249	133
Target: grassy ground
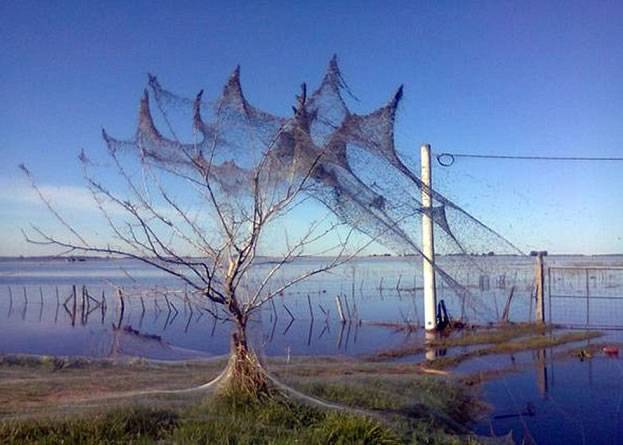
424	409
64	401
470	336
529	343
31	386
508	338
53	400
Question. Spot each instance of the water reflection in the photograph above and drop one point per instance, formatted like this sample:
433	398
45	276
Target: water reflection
331	314
546	400
553	398
70	315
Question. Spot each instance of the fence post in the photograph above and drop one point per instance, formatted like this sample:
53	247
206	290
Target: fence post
74	306
588	294
549	293
428	246
540	286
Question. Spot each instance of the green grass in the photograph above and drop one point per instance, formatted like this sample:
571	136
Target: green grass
51	362
51	400
432	396
240	420
224	420
499	334
403	408
512	337
524	344
420	409
118	426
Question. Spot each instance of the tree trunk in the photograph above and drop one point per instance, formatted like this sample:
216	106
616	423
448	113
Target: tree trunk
246	376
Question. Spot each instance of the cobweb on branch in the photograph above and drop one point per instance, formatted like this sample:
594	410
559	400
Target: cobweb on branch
346	161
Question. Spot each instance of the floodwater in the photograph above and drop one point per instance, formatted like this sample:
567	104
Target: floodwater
556	401
543	399
38	317
304	321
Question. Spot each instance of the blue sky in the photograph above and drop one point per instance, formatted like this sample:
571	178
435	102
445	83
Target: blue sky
524	78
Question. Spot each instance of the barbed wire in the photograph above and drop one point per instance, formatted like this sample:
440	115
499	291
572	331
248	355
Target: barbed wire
446	159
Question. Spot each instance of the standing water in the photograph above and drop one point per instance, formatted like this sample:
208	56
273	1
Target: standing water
543	397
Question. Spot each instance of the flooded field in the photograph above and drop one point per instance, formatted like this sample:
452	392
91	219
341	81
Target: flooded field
549	395
558	401
39	316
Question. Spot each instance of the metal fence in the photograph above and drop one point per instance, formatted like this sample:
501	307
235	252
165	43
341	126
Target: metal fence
586	296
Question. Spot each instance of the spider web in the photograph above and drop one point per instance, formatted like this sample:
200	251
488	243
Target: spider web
346	161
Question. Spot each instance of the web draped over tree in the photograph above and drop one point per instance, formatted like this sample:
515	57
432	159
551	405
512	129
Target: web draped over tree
240	167
201	183
347	161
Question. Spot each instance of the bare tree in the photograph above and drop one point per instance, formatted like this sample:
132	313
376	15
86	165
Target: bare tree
204	211
200	211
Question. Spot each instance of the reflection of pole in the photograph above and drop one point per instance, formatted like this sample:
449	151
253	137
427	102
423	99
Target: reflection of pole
339	309
590	364
122	311
431	351
541	372
428	246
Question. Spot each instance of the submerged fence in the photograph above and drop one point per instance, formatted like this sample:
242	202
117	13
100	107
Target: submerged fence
586	296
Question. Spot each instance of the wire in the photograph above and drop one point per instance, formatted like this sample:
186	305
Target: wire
447	159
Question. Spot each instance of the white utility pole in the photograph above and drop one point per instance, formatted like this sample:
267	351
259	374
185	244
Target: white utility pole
428	244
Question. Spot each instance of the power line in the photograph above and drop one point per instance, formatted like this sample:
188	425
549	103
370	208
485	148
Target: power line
446	159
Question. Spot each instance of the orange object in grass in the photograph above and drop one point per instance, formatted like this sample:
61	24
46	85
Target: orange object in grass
611	350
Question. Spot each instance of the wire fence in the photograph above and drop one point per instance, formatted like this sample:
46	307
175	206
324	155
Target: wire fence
589	297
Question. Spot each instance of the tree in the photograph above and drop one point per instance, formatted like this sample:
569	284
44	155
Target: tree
200	211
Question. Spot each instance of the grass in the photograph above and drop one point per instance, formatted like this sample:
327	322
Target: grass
471	336
46	361
420	408
404	407
48	400
511	337
225	420
498	334
408	403
241	420
31	385
117	426
525	344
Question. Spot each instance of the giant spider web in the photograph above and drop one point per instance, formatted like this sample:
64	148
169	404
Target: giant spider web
347	161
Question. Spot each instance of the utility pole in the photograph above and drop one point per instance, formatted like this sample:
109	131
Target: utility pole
428	244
